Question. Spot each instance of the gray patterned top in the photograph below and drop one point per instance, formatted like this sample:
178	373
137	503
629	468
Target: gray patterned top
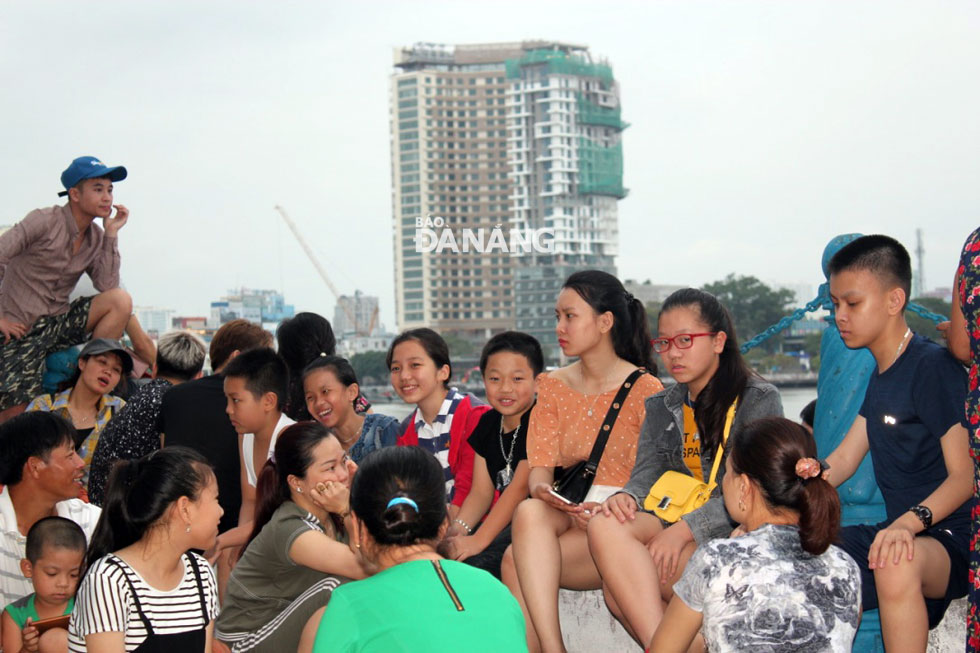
762	592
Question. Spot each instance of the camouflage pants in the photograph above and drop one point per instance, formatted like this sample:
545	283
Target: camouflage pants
22	360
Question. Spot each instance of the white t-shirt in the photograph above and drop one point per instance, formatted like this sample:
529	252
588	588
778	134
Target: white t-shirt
13	585
248	444
105	603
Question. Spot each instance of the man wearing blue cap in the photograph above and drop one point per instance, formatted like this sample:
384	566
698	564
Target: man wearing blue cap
41	259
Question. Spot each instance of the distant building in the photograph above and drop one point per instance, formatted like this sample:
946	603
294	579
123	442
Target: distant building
357	315
191	323
650	293
495	139
155	321
263	307
353	344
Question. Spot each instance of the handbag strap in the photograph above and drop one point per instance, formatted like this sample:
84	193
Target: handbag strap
729	418
607	424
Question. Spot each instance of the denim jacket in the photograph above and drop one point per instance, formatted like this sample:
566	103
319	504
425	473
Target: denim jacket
660	450
378	431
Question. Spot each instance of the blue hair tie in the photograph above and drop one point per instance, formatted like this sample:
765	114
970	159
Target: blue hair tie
405	500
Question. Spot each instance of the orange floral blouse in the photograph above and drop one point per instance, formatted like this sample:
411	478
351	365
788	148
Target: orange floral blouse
561	432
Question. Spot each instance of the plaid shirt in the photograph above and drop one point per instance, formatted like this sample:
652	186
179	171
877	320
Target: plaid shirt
108	406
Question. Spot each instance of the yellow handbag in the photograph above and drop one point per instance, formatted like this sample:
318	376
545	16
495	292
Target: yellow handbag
676	493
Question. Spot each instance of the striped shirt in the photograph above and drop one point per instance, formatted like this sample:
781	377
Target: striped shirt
105	603
13	584
436	437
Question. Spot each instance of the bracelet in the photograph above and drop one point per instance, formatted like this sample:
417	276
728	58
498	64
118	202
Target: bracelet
469	531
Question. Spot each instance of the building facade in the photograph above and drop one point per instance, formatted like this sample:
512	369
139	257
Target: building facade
263	307
489	140
356	315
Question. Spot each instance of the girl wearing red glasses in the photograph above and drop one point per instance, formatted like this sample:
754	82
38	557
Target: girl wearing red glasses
639	555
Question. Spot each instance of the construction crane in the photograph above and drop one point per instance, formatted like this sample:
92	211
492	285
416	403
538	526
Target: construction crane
347	308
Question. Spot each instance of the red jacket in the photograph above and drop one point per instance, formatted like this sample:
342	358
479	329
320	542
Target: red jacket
467	414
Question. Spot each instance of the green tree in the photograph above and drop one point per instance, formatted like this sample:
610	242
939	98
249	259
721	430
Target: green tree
925	327
370	366
754	305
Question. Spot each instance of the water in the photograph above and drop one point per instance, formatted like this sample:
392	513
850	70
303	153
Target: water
794	399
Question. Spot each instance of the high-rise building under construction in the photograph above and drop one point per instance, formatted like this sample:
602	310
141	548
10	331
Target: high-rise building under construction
509	137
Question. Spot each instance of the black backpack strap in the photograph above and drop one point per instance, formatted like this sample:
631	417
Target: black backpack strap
607	424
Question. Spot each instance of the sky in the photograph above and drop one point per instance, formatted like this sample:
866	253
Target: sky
758	131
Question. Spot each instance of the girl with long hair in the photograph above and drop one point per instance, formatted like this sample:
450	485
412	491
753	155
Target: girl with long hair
605	327
144	591
296	555
638	554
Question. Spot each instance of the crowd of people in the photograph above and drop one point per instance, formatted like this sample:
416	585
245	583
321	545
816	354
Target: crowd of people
268	506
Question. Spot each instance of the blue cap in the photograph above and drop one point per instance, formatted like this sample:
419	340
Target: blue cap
88	167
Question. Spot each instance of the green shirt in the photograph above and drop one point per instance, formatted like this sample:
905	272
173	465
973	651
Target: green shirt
23	608
423	605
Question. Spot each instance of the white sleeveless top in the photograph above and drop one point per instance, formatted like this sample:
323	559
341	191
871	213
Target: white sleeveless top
248	443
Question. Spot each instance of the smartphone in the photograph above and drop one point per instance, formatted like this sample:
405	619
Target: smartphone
561	498
52	622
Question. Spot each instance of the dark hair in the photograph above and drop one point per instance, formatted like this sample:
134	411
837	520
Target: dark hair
302	339
263	371
340	368
882	256
35	433
767	451
731	377
53	532
237	335
433	344
293	456
630	333
141	491
808	413
515	342
394	472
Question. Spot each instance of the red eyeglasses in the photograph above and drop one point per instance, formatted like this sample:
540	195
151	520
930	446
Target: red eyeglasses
681	341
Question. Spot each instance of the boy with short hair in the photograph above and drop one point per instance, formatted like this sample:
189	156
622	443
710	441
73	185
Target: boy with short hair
912	421
256	386
510	364
55	555
41	260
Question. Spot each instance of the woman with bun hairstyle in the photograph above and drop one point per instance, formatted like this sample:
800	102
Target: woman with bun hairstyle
605	327
415	599
143	591
783	571
296	555
639	555
331	390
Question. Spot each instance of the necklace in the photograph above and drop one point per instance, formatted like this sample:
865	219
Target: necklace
898	351
505	475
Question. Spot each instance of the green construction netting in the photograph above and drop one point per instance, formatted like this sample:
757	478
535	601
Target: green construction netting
600	169
559	63
590	113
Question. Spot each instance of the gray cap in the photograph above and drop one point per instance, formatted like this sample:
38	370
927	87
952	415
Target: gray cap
97	346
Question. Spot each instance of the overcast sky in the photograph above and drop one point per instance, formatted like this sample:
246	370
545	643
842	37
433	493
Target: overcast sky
759	130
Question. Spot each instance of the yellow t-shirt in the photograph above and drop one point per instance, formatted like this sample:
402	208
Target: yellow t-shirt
692	444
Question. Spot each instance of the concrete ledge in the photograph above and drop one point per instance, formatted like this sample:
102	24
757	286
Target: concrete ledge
587	625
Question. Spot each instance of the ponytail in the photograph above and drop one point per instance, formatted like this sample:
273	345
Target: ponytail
141	491
631	331
769	451
293	455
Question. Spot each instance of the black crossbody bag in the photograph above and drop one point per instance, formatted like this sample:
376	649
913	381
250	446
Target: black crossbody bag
574	482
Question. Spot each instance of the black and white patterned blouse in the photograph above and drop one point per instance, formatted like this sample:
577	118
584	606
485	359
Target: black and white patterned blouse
132	433
762	592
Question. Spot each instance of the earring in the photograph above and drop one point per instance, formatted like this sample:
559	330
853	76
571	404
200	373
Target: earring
300	490
188	529
741	505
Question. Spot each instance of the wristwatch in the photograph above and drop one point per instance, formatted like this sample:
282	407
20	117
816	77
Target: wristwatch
923	513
